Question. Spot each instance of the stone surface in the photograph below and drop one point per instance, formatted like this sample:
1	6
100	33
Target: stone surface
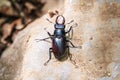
98	32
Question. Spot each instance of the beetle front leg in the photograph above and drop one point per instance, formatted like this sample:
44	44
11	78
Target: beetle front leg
69	30
45	39
50	51
48	33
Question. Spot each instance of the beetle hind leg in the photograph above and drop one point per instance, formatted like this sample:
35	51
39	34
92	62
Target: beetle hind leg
73	61
50	51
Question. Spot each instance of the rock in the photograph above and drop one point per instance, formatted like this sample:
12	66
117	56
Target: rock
98	32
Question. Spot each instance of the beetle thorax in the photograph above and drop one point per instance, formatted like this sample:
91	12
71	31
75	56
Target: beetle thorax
59	26
59	32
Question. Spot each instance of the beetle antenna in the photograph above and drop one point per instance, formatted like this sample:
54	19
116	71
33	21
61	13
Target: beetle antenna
49	20
70	22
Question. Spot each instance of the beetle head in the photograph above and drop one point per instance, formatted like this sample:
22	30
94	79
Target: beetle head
60	25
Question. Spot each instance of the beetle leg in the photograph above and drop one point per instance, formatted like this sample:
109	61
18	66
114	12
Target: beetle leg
50	51
69	30
42	39
76	47
73	46
71	27
45	39
51	36
69	37
73	61
70	56
47	32
71	43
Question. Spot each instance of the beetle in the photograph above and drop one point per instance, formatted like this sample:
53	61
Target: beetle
60	43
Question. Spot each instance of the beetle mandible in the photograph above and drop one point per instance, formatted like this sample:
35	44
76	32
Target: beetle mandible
60	43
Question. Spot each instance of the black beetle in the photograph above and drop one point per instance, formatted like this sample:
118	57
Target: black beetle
60	43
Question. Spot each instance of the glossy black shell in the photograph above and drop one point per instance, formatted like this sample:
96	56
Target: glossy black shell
59	44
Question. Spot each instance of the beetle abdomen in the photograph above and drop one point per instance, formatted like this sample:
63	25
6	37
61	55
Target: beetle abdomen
59	47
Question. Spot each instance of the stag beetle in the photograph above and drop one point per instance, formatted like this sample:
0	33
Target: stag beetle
60	43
